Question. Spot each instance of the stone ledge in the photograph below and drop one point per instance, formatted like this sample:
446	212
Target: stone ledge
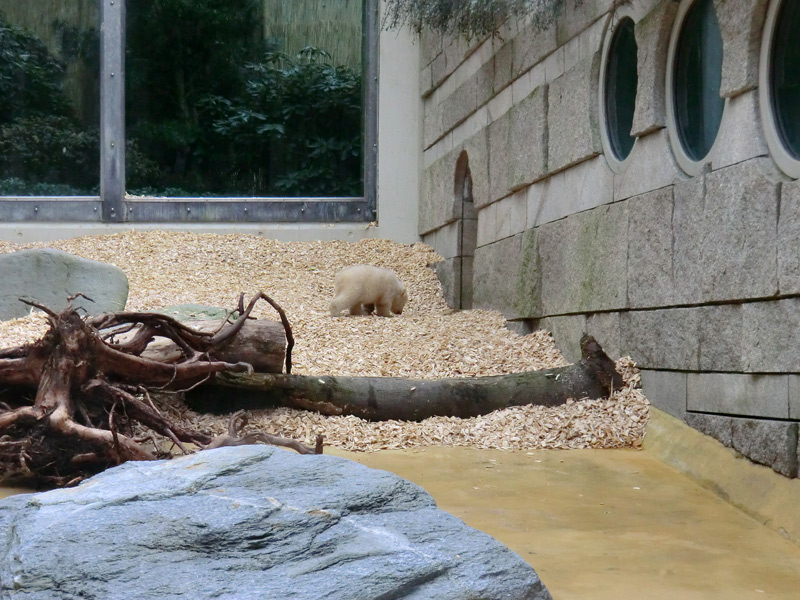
578	15
649	167
662	339
502	219
573	121
650	270
652	38
584	261
446	241
725	235
528	138
767	442
566	332
741	136
430	46
741	24
506	276
666	390
531	47
742	394
500	157
738	337
770	498
437	203
583	186
448	272
788	233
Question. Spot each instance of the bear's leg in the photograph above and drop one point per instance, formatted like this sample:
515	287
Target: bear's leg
341	302
355	309
383	309
335	308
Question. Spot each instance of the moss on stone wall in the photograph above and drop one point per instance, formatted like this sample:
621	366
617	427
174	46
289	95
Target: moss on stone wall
467	17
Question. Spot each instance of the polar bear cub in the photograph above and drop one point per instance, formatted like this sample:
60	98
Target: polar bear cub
364	287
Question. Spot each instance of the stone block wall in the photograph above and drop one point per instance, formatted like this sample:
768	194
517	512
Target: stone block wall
696	277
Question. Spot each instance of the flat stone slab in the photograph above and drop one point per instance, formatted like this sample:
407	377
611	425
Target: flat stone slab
250	522
197	312
768	442
51	276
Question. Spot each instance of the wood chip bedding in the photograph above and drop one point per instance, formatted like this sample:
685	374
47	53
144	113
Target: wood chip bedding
427	341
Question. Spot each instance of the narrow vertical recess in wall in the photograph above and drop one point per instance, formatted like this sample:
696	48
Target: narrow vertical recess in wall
467	229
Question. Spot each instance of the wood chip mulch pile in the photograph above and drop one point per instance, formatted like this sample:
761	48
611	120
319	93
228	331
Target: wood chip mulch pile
427	341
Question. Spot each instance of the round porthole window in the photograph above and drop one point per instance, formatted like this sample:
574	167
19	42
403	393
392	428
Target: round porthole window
779	87
694	76
618	83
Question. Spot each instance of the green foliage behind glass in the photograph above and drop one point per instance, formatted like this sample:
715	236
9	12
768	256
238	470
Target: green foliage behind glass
296	129
211	110
221	114
30	78
42	145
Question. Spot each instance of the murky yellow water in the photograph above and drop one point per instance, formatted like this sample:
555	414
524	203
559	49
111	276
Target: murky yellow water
604	524
10	491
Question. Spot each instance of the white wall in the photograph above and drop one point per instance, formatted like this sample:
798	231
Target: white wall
399	136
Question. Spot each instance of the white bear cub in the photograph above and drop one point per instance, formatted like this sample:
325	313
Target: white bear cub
362	288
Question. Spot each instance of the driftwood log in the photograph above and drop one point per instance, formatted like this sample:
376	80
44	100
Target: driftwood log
78	400
259	343
383	398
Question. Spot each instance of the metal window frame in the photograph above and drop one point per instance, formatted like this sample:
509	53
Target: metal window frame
113	206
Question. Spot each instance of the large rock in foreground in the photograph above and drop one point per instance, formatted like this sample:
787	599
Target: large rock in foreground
251	522
52	276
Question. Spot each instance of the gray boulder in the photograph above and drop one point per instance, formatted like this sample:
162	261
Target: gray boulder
52	276
250	522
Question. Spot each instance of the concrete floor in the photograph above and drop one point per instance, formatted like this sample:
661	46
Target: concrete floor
623	524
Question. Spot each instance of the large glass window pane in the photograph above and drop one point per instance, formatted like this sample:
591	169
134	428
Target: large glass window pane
244	98
785	76
697	80
49	98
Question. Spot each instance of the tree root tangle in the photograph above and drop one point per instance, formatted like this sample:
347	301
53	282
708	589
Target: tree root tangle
71	402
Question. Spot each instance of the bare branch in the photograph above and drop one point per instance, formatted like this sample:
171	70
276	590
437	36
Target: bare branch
76	296
80	369
34	303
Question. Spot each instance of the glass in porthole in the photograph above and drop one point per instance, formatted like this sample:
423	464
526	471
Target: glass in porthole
620	88
785	76
697	80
